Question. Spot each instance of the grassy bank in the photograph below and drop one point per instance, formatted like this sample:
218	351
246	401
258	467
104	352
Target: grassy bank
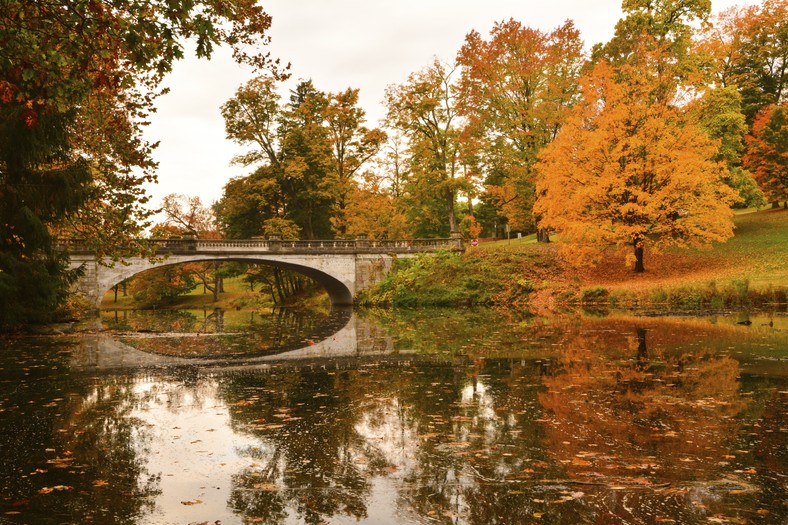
750	269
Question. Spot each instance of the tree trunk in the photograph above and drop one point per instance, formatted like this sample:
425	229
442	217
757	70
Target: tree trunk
642	357
639	258
215	282
776	205
115	289
542	235
450	206
278	282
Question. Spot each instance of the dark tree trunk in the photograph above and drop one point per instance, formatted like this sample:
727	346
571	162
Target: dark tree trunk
639	259
542	235
278	282
115	289
775	205
452	217
642	357
215	282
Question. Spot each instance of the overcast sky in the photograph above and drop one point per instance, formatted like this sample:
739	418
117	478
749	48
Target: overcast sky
365	44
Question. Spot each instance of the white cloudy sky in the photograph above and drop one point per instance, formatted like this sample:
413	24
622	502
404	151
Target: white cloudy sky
365	44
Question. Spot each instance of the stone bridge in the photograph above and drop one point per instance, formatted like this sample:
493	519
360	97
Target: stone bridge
342	267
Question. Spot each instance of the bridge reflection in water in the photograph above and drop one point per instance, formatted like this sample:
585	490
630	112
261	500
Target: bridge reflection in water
340	336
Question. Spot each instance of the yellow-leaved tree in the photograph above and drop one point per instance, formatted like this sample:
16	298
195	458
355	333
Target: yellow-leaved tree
630	169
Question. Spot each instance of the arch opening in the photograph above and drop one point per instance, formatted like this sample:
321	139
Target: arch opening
338	292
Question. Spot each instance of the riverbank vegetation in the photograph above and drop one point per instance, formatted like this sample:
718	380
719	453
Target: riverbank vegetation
749	269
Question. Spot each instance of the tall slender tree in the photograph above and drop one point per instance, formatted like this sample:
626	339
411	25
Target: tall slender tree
424	110
352	146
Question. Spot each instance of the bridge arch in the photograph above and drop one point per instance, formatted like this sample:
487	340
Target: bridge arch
342	267
336	278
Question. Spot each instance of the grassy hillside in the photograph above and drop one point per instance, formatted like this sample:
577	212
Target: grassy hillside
750	268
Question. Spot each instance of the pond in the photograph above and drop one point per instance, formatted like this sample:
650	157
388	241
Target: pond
430	416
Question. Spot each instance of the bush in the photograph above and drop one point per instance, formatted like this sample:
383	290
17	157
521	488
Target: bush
595	295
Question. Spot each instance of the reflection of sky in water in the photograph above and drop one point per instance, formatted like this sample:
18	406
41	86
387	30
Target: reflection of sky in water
191	444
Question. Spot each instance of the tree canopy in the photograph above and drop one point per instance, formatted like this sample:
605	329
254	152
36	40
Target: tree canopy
627	171
78	81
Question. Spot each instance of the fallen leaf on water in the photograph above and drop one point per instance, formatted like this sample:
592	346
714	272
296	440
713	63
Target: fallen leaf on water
191	502
100	483
267	487
59	488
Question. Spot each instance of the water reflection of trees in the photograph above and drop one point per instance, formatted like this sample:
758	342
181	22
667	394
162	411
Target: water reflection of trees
311	457
618	407
593	426
69	452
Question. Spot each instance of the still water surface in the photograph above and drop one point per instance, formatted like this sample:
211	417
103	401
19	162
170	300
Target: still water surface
460	417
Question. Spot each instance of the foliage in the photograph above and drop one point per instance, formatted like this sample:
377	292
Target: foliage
375	211
661	30
78	80
719	113
514	91
282	228
450	279
424	109
161	286
767	152
308	153
352	145
627	170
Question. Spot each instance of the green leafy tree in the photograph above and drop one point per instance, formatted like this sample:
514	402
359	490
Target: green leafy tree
719	113
424	110
290	146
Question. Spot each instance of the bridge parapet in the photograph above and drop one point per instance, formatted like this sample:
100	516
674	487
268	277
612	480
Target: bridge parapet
227	246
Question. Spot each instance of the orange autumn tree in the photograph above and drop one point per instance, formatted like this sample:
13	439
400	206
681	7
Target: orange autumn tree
767	152
629	171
